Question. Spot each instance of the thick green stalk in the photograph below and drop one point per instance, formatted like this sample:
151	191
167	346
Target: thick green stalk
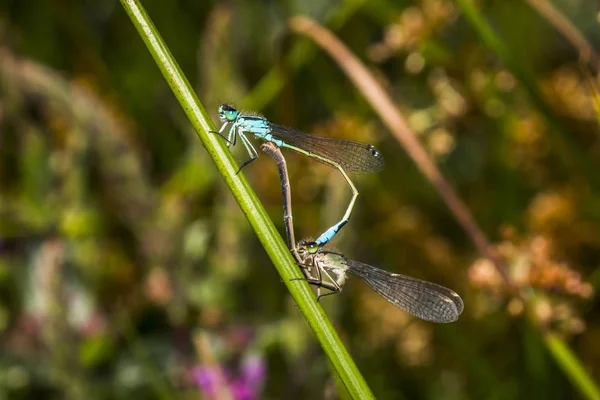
249	203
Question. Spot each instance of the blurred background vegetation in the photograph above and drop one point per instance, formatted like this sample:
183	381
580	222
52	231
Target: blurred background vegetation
127	269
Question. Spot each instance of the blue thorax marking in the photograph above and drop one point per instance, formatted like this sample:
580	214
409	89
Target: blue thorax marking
259	127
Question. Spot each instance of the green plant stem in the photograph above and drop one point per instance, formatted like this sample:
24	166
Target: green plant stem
571	366
249	203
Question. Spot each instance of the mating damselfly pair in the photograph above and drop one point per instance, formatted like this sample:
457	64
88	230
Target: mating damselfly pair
323	268
328	269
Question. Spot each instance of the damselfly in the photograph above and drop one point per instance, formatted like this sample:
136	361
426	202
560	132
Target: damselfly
425	300
344	155
328	269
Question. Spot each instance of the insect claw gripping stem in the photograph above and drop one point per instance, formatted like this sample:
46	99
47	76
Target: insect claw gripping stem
223	137
245	163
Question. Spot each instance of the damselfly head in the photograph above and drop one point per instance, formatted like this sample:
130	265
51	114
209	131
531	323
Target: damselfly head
228	113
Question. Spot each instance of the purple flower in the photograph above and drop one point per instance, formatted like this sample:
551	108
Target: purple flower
253	370
243	384
241	391
208	379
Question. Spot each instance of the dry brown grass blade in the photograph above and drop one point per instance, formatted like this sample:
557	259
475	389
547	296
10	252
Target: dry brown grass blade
389	114
562	24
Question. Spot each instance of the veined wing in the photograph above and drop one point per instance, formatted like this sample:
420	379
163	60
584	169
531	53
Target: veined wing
425	300
354	157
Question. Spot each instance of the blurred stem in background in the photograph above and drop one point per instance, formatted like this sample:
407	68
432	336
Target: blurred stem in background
396	123
587	54
571	154
299	55
390	115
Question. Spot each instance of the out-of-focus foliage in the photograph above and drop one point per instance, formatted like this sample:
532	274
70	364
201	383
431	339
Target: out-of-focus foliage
127	269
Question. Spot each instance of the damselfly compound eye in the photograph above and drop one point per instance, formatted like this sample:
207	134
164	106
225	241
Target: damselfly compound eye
312	247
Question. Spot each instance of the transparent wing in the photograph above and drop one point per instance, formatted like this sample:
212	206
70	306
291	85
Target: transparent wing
422	299
354	157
